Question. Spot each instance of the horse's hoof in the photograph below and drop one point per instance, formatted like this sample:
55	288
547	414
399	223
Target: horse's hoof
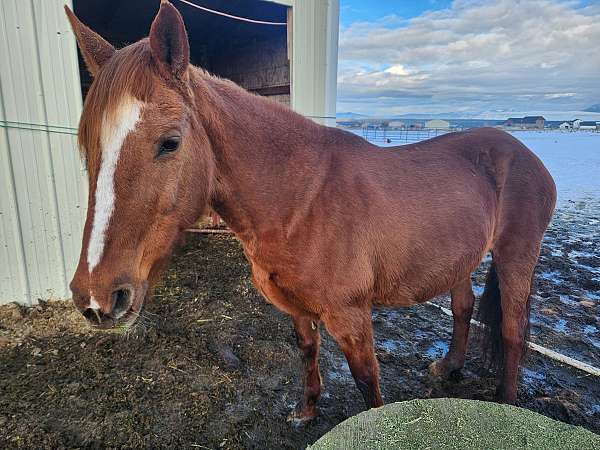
300	417
442	370
438	369
504	396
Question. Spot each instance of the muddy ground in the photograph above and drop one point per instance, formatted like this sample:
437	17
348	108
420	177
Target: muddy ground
212	365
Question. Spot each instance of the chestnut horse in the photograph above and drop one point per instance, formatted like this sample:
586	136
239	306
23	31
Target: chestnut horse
331	225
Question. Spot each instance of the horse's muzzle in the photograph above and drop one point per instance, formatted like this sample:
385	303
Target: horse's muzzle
123	306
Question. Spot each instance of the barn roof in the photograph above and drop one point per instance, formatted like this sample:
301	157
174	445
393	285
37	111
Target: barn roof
532	119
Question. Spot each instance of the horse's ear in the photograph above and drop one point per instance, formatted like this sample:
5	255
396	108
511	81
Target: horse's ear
94	49
169	41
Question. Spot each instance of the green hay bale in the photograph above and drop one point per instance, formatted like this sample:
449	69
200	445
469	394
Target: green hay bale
448	423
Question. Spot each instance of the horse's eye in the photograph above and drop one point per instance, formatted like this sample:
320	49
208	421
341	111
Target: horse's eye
168	145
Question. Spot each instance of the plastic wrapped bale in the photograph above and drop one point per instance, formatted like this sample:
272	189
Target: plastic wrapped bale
448	423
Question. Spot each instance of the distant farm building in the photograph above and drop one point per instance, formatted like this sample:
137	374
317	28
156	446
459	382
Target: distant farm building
576	124
396	124
566	126
438	124
528	122
513	122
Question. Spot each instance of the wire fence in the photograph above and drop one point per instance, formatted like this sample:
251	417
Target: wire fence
388	137
60	129
398	136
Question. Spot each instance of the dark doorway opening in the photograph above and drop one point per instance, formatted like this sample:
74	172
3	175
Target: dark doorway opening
254	56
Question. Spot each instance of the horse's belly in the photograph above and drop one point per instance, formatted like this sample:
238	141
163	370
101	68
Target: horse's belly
395	299
404	295
426	280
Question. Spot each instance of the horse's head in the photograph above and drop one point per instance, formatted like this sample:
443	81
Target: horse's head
149	165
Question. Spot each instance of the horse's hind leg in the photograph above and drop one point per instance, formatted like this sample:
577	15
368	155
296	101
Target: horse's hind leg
309	342
352	328
515	277
462	309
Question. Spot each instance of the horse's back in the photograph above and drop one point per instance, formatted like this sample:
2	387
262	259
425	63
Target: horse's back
456	167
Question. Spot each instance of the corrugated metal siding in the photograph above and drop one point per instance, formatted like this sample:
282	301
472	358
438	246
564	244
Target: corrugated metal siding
43	186
314	54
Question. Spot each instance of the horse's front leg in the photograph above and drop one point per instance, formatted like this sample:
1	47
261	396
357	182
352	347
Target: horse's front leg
309	342
352	328
307	336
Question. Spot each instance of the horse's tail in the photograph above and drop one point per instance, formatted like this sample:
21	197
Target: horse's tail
490	315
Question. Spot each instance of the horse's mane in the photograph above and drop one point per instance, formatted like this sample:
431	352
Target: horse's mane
128	72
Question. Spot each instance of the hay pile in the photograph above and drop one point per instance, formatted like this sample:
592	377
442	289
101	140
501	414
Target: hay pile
446	423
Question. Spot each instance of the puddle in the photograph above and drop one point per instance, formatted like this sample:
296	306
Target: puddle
561	326
551	275
567	300
478	290
531	375
340	372
595	342
574	254
594	270
389	345
437	350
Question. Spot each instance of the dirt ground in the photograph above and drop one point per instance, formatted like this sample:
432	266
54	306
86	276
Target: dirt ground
212	365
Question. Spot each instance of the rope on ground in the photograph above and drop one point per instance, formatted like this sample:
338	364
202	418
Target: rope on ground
585	367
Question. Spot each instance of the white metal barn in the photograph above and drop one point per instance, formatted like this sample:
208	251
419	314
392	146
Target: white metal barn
43	188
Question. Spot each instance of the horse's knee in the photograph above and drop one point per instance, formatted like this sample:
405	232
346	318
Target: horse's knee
312	391
308	348
462	301
307	337
462	313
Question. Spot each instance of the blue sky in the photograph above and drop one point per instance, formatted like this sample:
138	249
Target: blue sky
372	10
469	58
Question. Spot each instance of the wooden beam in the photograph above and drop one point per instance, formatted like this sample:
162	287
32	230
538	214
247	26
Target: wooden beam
266	91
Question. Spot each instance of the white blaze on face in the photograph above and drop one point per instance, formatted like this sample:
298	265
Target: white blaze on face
114	132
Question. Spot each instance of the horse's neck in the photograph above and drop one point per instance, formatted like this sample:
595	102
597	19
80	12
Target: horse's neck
264	154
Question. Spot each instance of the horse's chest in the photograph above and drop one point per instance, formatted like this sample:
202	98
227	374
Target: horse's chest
277	283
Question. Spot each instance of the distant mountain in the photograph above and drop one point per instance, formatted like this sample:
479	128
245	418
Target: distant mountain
350	115
594	108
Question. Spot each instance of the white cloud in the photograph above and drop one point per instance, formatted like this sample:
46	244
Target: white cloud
398	69
475	57
561	95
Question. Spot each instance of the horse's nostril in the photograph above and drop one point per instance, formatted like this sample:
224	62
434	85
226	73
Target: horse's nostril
92	315
121	300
